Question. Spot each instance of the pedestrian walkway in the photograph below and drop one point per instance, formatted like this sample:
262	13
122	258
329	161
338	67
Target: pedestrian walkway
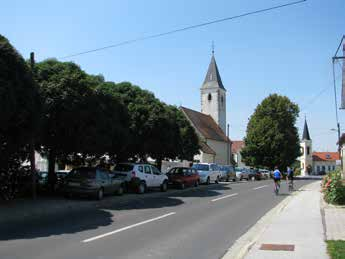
335	221
298	228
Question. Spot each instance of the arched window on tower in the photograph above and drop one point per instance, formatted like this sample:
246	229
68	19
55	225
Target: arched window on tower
308	151
209	97
222	100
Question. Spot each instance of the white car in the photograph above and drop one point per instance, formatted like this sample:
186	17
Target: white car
242	173
208	172
142	176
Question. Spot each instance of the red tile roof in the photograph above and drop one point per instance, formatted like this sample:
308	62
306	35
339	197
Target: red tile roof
237	145
205	124
325	156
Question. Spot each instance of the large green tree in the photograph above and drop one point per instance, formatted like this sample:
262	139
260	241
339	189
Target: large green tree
272	137
19	107
76	118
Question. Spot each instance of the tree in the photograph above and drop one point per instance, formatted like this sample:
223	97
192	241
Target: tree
19	107
77	120
272	137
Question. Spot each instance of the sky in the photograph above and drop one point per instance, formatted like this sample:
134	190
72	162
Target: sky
286	51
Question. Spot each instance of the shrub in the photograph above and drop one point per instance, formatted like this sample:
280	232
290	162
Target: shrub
333	188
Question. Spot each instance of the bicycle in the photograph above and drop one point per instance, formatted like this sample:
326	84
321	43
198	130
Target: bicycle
276	187
291	188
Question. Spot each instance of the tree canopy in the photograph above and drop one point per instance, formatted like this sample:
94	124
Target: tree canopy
19	106
272	137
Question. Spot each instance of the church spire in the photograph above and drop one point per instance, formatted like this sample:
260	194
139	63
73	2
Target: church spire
212	79
306	135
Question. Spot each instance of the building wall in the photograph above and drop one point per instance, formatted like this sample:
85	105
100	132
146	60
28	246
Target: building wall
306	159
215	107
204	158
326	166
238	159
220	148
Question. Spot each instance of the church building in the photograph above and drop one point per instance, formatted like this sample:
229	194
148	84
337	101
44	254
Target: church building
210	123
315	162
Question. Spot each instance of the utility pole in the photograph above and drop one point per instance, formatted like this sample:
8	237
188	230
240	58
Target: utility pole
32	141
334	59
228	146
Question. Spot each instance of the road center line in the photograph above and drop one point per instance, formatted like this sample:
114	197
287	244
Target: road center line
257	188
224	197
128	227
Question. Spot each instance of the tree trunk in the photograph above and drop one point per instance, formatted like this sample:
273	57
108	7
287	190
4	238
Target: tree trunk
51	169
159	163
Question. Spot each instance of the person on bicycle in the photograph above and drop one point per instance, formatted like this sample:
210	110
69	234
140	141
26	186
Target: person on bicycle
290	175
277	176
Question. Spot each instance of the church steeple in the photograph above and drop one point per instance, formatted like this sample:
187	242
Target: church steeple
212	78
305	135
213	95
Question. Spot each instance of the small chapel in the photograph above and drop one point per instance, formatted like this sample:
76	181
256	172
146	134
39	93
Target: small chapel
210	122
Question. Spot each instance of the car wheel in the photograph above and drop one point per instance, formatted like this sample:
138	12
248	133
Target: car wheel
228	179
217	180
120	191
142	188
182	186
100	194
208	181
164	186
196	184
234	180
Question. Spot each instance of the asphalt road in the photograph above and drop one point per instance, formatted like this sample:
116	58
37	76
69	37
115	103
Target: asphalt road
193	223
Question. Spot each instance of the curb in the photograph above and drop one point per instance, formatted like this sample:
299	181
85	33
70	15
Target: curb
242	246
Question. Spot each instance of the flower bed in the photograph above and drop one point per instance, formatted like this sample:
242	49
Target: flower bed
333	188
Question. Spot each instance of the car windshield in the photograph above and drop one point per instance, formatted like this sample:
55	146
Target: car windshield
89	173
201	167
123	167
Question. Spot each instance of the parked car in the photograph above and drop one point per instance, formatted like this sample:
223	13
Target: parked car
242	173
228	173
208	172
265	173
92	181
257	175
142	176
183	176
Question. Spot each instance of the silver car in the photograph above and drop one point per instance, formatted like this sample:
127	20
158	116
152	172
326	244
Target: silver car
242	173
208	172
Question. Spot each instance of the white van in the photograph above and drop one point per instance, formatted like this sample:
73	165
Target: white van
208	172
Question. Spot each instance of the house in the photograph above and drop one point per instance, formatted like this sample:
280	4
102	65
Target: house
210	123
236	148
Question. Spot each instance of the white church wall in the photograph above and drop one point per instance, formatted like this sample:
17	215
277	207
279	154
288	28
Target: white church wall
221	151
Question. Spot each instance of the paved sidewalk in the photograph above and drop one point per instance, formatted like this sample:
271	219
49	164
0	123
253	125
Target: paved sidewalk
298	224
335	221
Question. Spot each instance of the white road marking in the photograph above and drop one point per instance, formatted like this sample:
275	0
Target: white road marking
224	197
257	188
128	227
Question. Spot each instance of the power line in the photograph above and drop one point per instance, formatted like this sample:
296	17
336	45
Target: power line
183	29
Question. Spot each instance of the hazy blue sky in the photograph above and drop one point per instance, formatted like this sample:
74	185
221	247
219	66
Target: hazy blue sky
286	51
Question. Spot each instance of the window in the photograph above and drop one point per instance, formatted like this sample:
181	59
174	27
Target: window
155	170
318	169
147	169
328	156
209	97
323	168
140	168
334	167
222	100
308	150
201	167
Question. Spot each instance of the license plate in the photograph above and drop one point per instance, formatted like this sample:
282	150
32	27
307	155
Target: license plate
74	184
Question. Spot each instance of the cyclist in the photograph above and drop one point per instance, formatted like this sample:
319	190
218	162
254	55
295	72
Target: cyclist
276	178
290	177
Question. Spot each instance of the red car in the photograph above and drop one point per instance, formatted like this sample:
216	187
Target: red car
183	176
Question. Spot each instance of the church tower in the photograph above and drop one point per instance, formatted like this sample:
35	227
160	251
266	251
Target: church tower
306	150
213	95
